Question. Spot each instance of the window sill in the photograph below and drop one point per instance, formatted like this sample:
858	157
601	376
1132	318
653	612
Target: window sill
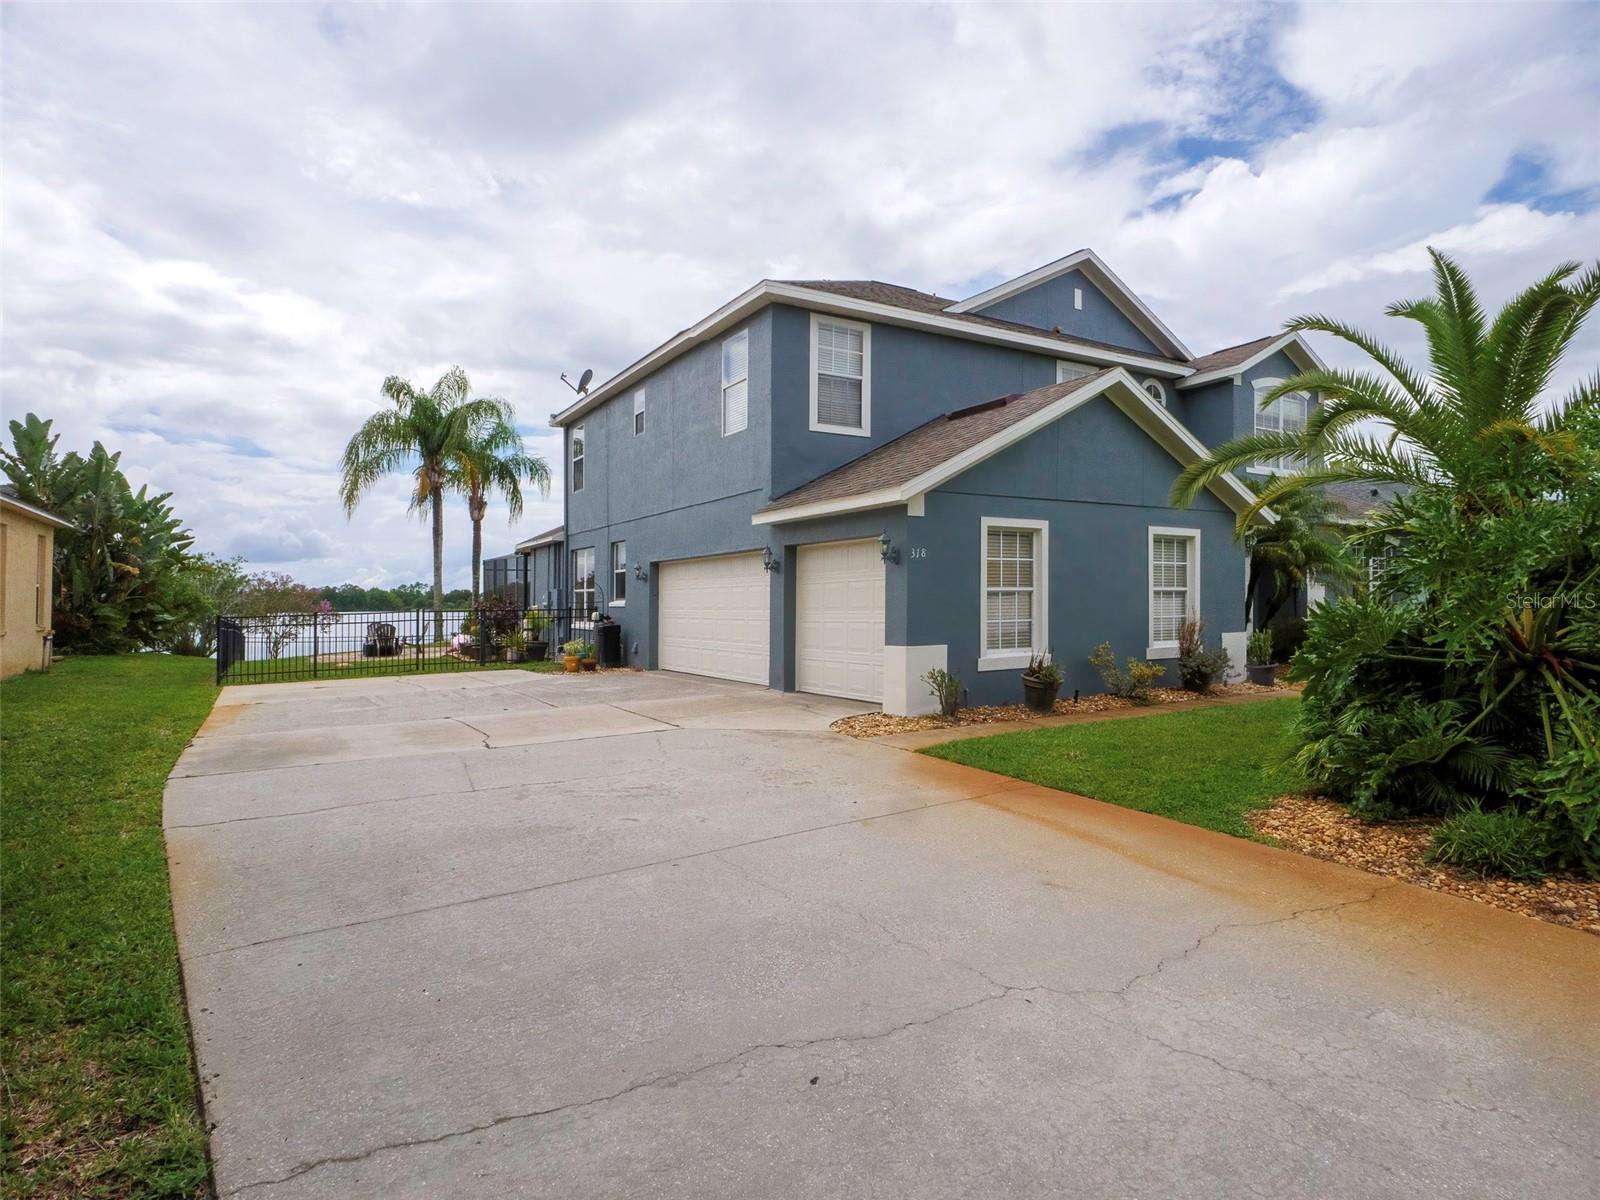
1005	662
619	604
1169	650
846	430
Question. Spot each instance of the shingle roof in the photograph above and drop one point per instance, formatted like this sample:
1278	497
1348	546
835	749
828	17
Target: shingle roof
1230	356
1356	500
9	494
926	302
555	534
928	445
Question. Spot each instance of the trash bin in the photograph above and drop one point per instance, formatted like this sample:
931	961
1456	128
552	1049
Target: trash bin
608	643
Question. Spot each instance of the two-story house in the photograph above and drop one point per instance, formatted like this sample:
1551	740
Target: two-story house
834	486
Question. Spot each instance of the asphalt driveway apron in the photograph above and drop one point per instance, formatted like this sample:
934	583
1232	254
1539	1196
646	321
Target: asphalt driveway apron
506	934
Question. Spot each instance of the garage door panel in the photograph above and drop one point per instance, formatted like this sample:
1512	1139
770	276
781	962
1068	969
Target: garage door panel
839	601
715	617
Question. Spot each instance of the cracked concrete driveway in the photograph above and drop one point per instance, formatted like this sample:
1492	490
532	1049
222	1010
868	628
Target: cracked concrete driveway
505	934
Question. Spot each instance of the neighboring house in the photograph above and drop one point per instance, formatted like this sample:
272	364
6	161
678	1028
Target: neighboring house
27	583
834	486
531	574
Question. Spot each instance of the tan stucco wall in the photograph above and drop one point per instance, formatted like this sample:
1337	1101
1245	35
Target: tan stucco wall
22	642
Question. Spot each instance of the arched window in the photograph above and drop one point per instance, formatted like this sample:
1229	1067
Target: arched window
1156	390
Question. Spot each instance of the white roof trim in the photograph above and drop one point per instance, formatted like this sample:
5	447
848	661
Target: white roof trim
1293	344
543	539
769	292
1118	292
33	510
1132	399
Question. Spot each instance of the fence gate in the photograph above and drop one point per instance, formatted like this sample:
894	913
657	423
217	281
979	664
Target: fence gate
288	646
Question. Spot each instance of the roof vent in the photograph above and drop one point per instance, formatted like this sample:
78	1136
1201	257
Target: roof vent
1001	402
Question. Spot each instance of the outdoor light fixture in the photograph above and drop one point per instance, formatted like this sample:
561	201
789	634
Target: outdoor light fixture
768	563
638	572
886	550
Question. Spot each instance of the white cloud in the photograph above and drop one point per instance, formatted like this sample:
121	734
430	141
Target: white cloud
213	258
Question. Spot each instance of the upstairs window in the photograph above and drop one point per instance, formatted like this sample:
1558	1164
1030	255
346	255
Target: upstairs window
577	458
1174	588
736	383
1072	370
1156	390
638	412
841	376
1286	414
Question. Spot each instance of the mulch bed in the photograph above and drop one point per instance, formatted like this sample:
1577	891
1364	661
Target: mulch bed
1323	829
871	725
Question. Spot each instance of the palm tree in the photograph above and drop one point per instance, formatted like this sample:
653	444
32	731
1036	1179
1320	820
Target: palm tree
1302	544
1471	422
427	433
495	461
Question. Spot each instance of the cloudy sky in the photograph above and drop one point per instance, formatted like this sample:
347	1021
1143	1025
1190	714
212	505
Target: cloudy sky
223	226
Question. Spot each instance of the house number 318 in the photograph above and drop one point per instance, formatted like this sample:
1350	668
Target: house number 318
919	552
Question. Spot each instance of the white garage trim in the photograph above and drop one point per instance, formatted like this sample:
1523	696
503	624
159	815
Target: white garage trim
839	605
714	617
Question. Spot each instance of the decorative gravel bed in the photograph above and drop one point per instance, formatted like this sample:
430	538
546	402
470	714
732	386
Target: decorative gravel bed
871	725
1324	829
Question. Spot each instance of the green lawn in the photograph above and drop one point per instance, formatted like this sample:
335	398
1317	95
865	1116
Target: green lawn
297	669
1207	767
100	1087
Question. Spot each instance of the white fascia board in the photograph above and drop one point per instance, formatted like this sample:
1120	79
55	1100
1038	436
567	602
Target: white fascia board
1103	276
1128	396
1295	346
768	292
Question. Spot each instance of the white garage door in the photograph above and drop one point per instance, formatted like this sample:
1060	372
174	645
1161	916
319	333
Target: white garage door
714	617
839	620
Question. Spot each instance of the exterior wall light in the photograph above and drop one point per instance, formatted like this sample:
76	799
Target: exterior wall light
886	550
638	572
768	562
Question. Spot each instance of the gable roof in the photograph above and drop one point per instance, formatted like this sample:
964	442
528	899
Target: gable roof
10	499
905	469
887	304
1103	277
1235	360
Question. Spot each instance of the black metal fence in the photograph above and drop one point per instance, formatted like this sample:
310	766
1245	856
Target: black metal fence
289	646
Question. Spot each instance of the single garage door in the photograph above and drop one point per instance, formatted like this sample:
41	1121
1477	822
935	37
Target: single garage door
713	617
839	620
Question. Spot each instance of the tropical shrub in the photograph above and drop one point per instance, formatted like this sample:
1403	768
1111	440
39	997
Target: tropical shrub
1258	648
1199	668
1468	685
1132	682
946	689
1287	638
279	611
1505	842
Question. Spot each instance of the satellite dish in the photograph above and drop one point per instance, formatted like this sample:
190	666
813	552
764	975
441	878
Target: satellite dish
585	379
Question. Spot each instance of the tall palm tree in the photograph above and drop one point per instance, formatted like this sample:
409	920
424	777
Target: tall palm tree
1471	422
1302	544
426	433
495	461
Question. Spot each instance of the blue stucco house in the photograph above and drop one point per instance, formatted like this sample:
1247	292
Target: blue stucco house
834	486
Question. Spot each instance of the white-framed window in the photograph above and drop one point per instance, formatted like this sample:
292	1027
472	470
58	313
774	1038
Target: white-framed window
1286	414
1174	586
583	592
736	382
1077	298
577	458
619	573
1072	370
841	376
1156	390
638	412
1014	571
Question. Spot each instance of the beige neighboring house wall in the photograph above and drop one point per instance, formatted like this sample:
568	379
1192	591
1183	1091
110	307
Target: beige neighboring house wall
27	583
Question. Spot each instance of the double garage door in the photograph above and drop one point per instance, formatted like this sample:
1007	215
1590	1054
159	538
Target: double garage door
715	619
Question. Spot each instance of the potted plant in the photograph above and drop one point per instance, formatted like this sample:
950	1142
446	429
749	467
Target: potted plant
572	655
1258	659
536	640
590	662
1041	680
511	646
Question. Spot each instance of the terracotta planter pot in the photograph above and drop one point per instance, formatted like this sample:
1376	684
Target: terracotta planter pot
1265	674
591	664
1038	695
571	662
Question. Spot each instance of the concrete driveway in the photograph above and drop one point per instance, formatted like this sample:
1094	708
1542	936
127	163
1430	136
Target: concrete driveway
501	934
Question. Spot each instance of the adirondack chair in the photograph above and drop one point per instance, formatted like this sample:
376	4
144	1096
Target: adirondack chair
382	641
